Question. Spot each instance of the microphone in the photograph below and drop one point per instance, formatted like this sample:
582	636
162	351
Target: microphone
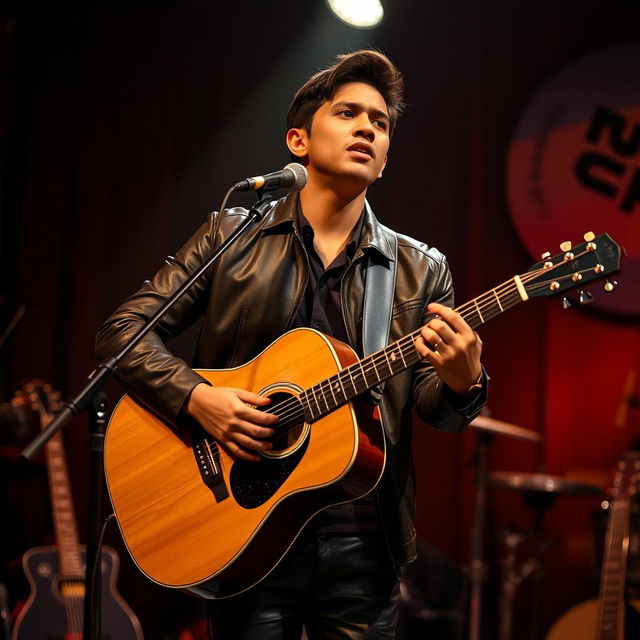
293	177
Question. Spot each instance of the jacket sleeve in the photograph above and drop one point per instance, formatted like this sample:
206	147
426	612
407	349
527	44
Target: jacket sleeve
150	371
434	401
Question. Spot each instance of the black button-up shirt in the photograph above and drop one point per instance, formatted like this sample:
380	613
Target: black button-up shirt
321	309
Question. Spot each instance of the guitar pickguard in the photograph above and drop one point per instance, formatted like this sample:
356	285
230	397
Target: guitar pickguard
253	483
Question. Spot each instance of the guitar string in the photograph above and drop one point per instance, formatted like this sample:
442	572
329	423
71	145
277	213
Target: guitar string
286	404
473	306
292	409
292	403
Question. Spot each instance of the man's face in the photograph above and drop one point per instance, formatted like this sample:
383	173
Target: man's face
349	135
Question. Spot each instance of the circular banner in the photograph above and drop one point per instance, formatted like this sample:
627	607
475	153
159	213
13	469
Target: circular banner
574	164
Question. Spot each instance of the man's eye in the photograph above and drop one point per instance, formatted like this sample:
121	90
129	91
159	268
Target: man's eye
346	112
382	124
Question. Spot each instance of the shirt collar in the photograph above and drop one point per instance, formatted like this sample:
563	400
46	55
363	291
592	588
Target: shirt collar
307	233
371	235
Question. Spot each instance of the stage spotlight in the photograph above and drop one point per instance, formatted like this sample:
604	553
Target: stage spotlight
358	13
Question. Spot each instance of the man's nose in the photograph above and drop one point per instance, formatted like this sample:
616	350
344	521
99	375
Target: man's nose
364	128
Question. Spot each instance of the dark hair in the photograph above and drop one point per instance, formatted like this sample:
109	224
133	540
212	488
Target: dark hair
366	65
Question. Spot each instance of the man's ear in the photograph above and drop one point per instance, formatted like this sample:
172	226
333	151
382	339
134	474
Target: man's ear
297	142
383	166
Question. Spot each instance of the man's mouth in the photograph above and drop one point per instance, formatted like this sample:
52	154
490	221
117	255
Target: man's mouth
362	148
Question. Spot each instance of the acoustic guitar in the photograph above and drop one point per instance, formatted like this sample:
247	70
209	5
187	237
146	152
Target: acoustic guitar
604	618
55	608
194	517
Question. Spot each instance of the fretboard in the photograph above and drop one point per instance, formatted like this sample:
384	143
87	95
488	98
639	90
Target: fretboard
333	392
614	566
63	511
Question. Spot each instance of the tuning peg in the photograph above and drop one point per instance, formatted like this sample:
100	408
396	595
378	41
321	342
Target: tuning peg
585	297
566	303
545	256
610	285
589	236
566	246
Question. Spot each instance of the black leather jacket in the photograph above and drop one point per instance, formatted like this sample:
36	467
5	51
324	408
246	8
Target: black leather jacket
251	297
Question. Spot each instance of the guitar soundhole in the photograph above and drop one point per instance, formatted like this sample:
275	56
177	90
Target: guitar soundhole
291	427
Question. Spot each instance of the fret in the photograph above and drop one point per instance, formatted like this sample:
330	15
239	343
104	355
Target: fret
323	396
313	393
404	362
495	293
386	356
478	311
375	368
364	375
353	384
335	403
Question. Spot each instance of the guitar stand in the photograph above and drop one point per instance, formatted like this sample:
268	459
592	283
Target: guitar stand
93	570
512	577
478	569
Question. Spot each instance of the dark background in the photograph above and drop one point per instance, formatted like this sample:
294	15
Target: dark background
123	123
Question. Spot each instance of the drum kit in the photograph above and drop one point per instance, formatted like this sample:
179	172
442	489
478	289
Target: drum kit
539	491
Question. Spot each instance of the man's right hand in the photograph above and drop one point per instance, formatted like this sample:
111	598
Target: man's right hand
225	413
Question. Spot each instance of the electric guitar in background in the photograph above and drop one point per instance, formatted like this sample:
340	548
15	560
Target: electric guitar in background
195	518
55	608
604	618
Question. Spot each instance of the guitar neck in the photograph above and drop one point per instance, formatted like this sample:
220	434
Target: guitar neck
64	521
614	563
333	392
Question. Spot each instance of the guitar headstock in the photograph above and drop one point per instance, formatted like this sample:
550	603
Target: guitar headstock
627	477
43	399
593	259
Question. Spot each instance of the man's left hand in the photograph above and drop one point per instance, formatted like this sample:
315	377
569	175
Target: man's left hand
455	348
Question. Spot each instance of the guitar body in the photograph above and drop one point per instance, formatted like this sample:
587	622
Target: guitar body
581	623
45	617
218	538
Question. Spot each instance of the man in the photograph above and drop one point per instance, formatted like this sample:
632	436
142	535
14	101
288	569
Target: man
306	264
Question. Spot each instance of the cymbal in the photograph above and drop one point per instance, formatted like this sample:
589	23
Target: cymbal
500	428
542	482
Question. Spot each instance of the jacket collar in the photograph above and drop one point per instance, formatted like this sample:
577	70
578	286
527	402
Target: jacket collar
373	237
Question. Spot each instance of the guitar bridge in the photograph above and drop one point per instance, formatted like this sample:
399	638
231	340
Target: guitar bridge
208	461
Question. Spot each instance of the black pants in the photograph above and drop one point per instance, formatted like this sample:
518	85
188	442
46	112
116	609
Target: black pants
337	586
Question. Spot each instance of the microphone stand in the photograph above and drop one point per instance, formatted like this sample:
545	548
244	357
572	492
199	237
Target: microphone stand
92	386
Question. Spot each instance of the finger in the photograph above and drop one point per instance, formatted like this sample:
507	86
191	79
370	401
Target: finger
237	451
248	443
433	339
445	332
426	353
254	415
251	429
457	322
252	398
